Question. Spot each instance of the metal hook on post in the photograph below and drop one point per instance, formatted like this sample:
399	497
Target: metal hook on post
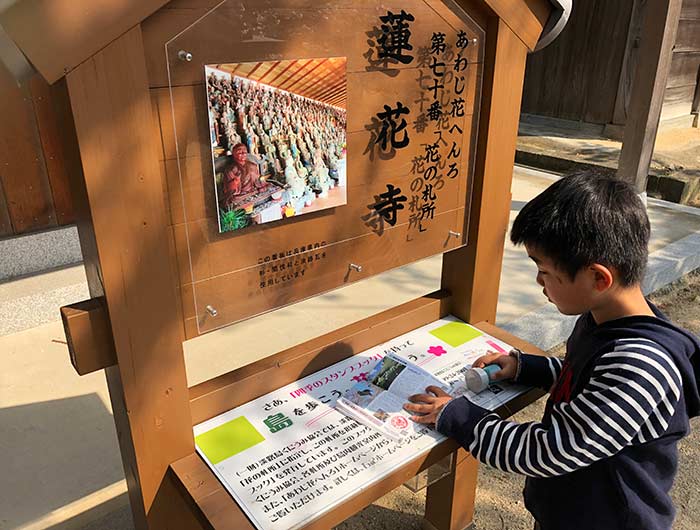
355	267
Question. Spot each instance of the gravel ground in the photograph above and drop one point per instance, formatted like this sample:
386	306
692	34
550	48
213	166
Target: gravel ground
676	154
499	504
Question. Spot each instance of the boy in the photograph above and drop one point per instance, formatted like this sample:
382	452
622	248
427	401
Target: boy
604	455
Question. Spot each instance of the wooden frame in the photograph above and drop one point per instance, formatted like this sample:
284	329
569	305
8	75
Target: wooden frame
108	115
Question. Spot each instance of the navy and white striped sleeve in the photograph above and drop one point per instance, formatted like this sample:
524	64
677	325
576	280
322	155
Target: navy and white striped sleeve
537	370
630	399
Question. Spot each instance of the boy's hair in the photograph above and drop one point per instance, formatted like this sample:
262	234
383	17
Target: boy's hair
584	218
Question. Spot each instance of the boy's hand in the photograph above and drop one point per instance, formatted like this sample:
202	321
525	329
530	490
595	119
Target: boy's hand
429	406
508	364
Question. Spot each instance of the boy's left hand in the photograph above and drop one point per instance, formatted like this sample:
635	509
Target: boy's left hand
429	406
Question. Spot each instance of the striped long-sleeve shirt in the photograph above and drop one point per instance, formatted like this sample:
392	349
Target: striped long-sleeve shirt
629	399
618	405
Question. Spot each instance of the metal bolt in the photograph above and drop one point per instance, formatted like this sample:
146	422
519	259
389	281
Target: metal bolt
455	234
475	40
184	56
213	312
355	267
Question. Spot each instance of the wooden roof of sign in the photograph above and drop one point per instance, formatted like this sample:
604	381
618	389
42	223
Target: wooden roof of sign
58	35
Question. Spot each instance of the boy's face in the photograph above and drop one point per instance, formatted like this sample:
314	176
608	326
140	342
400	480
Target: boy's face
572	297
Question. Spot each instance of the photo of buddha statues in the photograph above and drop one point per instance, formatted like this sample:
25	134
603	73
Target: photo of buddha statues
277	153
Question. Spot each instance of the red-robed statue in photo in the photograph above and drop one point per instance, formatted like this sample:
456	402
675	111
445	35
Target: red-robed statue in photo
241	176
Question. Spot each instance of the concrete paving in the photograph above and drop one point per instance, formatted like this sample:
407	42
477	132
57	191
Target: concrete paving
58	448
29	301
674	250
37	252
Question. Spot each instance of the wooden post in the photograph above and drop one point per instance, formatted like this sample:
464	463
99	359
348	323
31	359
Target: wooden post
450	500
630	60
472	274
123	216
656	48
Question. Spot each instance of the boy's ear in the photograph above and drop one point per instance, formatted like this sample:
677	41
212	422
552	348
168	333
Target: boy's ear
602	277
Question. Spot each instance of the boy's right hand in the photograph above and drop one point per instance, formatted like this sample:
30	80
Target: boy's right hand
508	364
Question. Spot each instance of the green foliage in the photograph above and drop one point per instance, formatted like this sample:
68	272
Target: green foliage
233	219
389	371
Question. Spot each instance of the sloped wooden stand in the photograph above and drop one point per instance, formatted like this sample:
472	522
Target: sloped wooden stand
450	500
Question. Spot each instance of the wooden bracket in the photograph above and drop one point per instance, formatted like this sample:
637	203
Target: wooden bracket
89	335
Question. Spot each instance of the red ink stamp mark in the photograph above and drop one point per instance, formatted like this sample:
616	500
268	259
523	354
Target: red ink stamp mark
399	422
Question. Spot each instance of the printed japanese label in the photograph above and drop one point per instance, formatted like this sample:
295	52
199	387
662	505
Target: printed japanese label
290	456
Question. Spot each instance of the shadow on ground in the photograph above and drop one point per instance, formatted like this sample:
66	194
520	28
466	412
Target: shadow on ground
49	437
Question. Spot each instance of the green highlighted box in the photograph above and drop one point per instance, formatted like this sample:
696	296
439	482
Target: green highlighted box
229	439
456	333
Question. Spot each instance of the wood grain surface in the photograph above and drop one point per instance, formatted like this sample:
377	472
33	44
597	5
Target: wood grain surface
113	120
27	202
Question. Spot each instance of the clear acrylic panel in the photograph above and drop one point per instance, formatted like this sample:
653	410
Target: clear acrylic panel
437	471
315	144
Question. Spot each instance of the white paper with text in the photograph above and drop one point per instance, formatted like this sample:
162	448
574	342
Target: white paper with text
289	454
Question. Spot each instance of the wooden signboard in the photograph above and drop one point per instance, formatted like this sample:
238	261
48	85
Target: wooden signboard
410	86
131	95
